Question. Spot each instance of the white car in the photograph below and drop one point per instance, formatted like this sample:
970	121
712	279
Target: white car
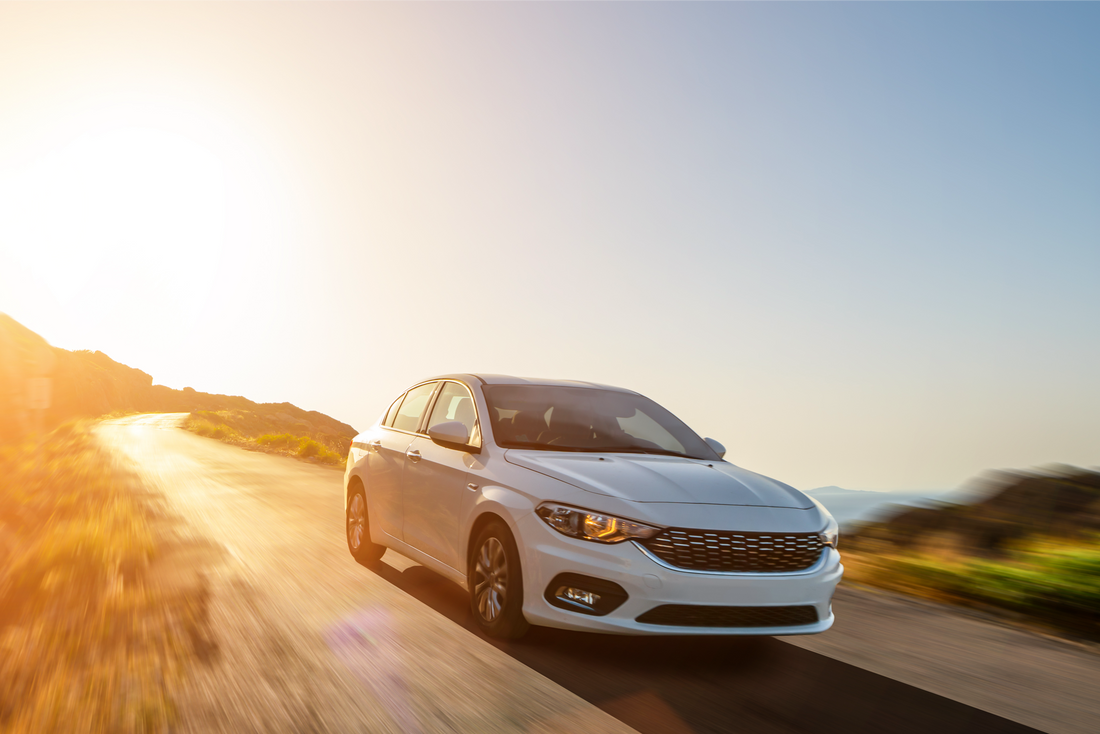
586	507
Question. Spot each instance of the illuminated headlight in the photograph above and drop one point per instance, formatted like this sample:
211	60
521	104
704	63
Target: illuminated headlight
830	536
593	525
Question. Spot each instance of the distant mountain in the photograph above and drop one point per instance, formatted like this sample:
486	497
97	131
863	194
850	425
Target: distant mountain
850	506
91	384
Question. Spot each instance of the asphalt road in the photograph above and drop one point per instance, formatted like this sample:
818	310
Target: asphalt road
298	637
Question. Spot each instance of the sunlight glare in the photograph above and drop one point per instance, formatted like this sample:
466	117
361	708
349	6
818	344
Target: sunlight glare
114	209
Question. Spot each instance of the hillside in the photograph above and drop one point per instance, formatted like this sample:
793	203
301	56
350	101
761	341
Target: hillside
1028	548
91	384
1063	502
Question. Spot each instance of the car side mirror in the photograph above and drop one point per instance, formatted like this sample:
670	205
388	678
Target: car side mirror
718	448
452	434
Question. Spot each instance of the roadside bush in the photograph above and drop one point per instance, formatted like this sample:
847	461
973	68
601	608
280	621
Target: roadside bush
1050	577
205	427
279	441
308	448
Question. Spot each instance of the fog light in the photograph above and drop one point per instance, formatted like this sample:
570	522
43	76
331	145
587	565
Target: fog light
579	596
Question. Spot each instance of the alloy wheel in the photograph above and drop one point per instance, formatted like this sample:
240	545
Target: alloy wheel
357	522
491	579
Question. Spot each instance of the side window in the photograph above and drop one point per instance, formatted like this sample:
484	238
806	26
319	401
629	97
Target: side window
412	407
392	412
456	404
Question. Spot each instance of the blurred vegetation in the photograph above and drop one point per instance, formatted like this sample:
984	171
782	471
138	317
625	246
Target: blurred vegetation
86	644
1051	581
1029	547
271	434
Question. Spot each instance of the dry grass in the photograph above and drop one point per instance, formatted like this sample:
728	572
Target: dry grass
246	431
210	429
302	446
85	644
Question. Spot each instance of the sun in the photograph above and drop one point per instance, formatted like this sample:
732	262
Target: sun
115	208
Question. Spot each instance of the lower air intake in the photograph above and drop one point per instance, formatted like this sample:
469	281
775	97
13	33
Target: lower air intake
693	615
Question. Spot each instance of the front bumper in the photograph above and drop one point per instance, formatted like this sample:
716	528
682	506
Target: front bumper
650	584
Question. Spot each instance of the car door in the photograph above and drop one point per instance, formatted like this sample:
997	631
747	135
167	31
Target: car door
435	479
386	462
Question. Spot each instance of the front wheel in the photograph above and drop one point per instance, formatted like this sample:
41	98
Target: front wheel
358	530
496	583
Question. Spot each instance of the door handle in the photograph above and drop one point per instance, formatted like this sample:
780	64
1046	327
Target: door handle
375	445
413	454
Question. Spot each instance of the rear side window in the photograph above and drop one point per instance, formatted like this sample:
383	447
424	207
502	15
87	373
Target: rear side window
412	407
392	412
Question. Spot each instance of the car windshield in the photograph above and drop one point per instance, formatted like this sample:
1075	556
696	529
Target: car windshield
555	418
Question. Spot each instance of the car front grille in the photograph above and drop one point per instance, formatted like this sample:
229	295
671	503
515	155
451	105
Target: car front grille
692	615
729	552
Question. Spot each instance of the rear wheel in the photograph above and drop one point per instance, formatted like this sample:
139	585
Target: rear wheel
358	530
496	583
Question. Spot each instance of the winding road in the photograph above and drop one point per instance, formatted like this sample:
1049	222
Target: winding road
296	637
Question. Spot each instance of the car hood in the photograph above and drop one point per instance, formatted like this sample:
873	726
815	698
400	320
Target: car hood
668	479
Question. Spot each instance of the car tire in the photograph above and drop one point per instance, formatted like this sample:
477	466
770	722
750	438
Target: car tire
495	579
357	530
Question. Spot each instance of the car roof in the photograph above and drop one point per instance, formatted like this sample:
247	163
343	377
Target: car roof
491	379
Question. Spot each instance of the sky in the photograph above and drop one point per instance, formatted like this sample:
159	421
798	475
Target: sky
856	243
